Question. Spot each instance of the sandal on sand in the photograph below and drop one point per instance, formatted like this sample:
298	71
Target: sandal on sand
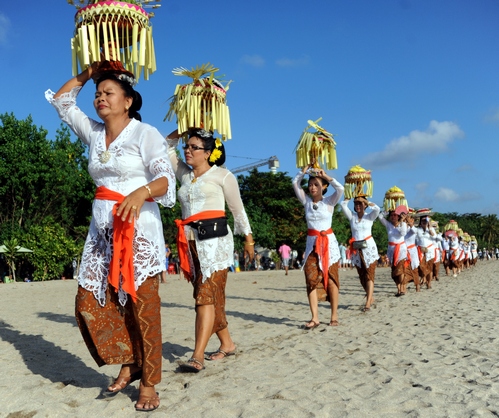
146	400
223	353
307	326
189	366
366	309
334	323
122	382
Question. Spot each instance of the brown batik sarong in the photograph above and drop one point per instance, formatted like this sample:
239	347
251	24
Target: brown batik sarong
436	269
365	273
425	266
314	277
211	292
398	270
411	275
129	334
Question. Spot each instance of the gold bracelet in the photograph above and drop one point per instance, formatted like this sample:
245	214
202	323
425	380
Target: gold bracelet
149	190
249	243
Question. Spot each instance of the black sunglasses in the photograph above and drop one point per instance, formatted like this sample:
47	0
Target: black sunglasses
192	147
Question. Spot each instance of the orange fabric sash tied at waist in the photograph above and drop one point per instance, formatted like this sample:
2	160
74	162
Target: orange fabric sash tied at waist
322	249
122	258
182	245
396	252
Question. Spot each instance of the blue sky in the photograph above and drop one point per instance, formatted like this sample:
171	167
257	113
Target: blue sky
409	88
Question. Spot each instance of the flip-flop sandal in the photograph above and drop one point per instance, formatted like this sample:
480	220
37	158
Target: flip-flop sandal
189	368
123	382
146	400
334	323
224	354
315	325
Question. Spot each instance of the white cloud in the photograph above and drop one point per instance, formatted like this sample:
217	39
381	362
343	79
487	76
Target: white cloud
253	60
492	116
4	28
296	62
464	168
448	195
435	140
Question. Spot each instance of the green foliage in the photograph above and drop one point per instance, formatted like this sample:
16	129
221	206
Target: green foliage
274	212
52	249
42	181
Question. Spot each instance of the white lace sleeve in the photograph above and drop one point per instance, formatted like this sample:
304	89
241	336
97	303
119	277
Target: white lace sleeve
179	167
71	114
155	157
235	204
346	211
299	192
335	197
374	213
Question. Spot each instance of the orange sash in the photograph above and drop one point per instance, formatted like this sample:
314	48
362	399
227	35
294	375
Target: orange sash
322	248
182	245
396	252
122	258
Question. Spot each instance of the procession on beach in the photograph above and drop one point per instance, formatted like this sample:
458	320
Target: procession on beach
135	168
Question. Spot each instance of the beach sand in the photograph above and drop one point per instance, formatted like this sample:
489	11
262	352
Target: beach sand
428	354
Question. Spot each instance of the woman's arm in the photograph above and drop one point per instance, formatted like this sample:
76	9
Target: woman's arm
300	194
77	81
179	167
346	211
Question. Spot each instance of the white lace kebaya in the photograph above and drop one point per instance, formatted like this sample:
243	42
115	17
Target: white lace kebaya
319	216
135	158
210	192
361	229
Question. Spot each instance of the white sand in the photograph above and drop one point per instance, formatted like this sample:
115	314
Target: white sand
428	354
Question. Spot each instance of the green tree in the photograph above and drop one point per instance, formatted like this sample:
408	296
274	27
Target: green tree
42	181
270	200
53	249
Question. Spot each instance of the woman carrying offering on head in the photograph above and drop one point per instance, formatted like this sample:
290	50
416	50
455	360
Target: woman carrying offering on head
117	304
205	188
397	249
411	273
426	250
322	253
363	248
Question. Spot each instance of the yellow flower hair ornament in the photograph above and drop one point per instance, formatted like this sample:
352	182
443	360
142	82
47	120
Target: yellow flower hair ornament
216	153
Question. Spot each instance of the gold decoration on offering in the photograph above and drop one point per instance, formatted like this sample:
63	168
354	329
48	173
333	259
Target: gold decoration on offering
317	148
358	182
114	31
394	197
202	103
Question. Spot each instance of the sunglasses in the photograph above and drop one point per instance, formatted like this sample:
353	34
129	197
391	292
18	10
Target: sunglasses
192	147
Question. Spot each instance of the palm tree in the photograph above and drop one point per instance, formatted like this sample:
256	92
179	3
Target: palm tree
10	254
490	228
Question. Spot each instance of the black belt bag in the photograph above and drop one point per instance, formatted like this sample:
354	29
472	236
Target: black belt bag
359	245
210	228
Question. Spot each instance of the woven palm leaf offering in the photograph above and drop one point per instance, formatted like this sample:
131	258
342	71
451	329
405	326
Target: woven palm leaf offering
451	226
202	103
358	181
394	197
316	147
114	31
